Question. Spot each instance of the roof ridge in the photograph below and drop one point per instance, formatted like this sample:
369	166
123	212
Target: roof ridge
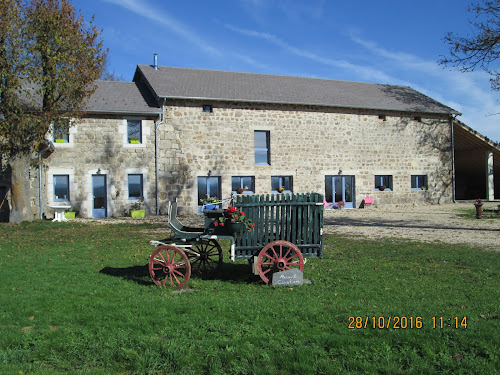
270	75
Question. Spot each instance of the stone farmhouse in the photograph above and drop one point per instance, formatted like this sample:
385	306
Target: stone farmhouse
185	134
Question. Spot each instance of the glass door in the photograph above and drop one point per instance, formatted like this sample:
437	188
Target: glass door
99	196
340	188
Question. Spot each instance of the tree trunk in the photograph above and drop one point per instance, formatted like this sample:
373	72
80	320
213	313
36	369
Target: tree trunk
20	189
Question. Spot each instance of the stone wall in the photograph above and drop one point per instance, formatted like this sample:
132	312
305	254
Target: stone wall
99	145
305	143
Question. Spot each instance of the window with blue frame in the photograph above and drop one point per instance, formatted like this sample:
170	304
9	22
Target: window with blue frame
61	187
134	131
284	182
208	186
207	108
383	182
419	182
262	147
246	183
135	186
61	131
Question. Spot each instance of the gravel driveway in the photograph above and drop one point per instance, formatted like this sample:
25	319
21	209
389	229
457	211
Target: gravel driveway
426	223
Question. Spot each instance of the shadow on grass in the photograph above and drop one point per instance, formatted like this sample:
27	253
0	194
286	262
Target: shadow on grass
138	274
230	272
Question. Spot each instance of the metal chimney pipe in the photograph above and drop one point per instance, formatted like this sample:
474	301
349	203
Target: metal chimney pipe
155	65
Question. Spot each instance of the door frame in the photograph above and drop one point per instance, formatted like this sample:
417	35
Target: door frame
342	178
100	212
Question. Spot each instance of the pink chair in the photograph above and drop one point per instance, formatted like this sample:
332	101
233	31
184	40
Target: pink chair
328	205
368	201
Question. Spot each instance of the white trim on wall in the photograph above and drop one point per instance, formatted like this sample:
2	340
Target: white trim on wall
122	129
73	186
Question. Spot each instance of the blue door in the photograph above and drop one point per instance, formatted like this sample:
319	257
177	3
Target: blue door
340	188
99	195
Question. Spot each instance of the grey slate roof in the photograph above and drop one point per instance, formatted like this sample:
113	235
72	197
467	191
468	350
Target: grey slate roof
122	97
177	83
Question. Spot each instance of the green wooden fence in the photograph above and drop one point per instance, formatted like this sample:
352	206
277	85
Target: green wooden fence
297	218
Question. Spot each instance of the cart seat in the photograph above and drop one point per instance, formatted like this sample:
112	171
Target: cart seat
180	229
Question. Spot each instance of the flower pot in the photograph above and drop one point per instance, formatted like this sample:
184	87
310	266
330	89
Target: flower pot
70	215
210	206
138	213
60	141
236	227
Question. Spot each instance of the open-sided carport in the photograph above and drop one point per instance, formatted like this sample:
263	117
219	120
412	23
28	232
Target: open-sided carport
477	164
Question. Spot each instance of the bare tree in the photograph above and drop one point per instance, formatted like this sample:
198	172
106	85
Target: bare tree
108	74
481	49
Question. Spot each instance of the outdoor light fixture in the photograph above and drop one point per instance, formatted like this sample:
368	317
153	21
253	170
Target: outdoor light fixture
209	173
340	172
98	171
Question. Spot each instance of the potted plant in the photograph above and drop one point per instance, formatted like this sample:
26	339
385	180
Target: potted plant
209	203
479	208
137	209
340	204
233	221
381	187
281	189
240	190
134	140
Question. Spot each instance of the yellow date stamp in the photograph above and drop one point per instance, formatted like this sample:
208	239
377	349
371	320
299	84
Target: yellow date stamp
404	322
385	322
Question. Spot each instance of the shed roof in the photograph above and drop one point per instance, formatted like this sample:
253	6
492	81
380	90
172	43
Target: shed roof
122	97
186	83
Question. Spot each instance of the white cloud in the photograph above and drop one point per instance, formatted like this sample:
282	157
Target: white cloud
365	72
153	13
468	93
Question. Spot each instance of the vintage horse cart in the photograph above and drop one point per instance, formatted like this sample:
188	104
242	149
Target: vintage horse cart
288	228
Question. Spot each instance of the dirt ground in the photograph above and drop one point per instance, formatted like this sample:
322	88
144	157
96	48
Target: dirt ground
428	223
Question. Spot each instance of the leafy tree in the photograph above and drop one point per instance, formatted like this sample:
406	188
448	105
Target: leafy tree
49	60
481	49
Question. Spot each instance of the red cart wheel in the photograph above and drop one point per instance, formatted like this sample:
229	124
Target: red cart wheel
205	257
169	265
278	256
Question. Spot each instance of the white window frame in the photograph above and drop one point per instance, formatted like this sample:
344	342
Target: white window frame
72	130
73	186
145	184
145	130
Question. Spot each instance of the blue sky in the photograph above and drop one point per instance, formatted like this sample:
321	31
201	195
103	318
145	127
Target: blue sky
387	41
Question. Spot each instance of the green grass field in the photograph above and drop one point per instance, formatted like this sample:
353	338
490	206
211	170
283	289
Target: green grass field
77	298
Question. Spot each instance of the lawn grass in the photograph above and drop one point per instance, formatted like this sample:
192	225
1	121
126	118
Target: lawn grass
470	214
77	298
